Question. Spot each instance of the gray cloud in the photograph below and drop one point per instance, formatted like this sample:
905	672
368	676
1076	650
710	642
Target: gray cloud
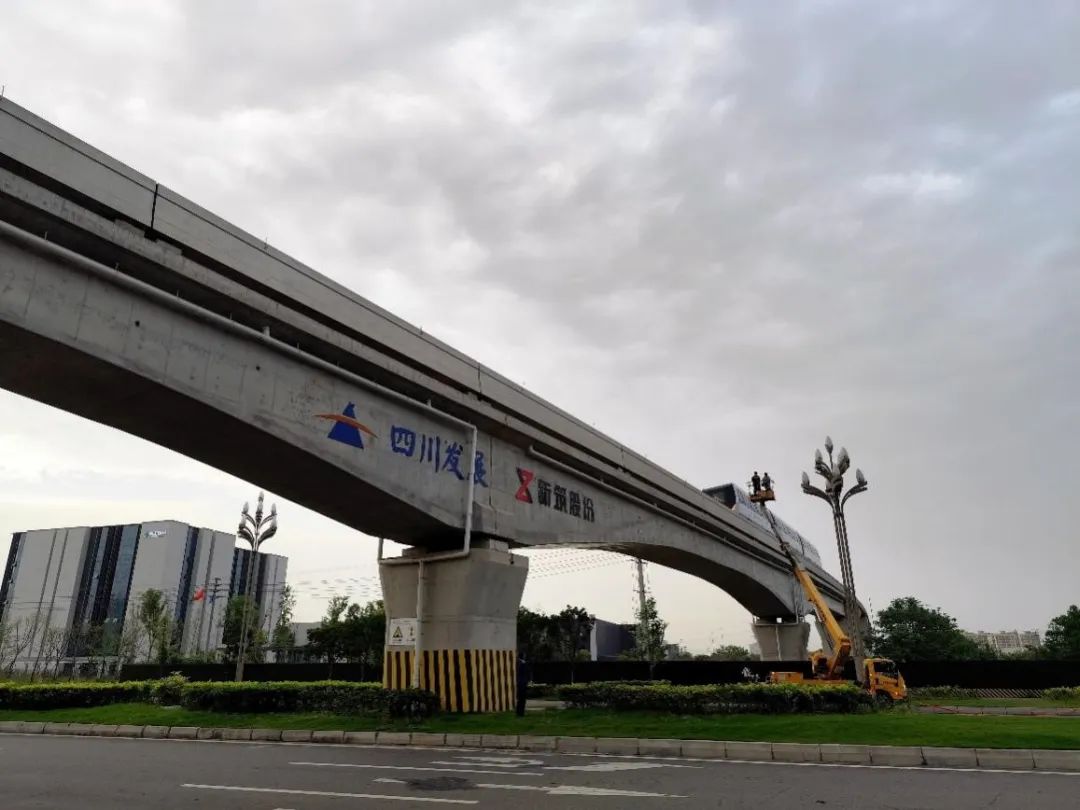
716	232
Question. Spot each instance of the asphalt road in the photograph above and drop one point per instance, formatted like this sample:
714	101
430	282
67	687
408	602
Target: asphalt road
104	774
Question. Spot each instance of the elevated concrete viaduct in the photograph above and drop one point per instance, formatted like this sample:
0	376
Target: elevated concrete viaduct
125	303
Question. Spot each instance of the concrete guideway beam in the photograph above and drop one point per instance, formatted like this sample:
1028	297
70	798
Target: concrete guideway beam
66	325
86	339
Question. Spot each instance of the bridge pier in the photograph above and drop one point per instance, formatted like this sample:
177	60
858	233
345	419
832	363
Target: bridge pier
467	628
782	638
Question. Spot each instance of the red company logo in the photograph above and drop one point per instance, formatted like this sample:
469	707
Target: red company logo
525	477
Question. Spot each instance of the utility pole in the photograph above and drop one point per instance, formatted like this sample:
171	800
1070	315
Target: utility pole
213	597
644	631
643	622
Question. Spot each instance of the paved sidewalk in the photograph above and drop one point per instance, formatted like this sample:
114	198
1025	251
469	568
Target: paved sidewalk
825	753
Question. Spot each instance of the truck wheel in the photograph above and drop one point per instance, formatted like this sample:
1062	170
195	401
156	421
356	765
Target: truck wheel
883	701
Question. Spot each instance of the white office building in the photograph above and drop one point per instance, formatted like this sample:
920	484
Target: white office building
59	583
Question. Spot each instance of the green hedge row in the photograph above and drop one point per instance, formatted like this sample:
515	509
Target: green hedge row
337	697
941	692
73	695
759	698
1062	693
960	693
550	691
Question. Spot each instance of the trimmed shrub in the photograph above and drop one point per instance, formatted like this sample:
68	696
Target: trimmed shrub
412	704
72	695
759	698
337	697
542	691
938	692
168	691
1063	693
550	691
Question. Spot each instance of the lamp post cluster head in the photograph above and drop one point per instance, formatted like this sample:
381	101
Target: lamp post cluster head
258	527
833	472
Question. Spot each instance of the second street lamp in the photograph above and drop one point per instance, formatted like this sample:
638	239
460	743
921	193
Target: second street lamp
255	529
833	494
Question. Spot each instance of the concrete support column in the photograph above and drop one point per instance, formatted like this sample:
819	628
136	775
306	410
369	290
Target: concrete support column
782	639
467	631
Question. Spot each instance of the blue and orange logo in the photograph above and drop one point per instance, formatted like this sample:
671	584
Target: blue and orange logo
347	429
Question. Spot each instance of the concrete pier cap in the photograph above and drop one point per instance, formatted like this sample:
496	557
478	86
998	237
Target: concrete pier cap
782	638
467	627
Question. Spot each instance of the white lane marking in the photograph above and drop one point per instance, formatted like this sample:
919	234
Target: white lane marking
330	793
478	764
410	768
583	790
925	768
502	762
561	790
611	767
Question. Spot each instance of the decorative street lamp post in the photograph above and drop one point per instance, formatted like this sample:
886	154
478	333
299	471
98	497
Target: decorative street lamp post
255	530
833	494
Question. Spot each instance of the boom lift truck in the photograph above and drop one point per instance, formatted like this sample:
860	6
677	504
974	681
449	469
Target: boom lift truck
881	677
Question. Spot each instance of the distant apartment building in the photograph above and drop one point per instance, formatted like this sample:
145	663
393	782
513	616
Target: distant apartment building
1007	642
59	583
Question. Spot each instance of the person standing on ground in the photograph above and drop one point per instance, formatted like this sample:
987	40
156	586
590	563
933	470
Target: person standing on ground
522	684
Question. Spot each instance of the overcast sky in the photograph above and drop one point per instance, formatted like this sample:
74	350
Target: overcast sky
716	231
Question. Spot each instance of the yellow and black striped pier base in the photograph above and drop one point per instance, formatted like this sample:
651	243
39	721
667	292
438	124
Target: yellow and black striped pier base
464	680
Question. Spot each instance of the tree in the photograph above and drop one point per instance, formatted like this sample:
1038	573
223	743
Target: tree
126	645
1027	654
730	652
534	635
7	638
327	641
232	629
569	631
15	638
153	616
1062	639
54	645
283	639
355	633
649	642
908	630
364	635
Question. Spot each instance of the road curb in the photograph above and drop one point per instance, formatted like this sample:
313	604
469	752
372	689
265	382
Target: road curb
732	751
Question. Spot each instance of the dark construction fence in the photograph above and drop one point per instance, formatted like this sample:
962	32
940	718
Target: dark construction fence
968	674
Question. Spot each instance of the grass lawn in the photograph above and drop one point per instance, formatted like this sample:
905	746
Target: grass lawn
887	728
1039	703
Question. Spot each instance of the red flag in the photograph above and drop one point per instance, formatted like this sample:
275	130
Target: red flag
199	594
